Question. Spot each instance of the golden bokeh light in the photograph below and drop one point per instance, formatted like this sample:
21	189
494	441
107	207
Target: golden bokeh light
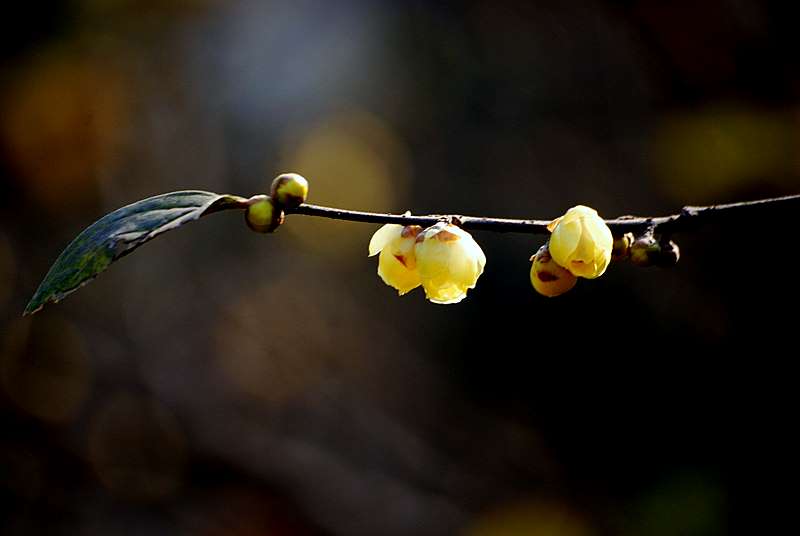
62	124
530	518
702	156
353	160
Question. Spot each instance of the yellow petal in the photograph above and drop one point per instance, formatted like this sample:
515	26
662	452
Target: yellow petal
582	242
383	236
564	240
586	248
445	295
582	269
395	274
601	234
403	247
580	211
432	259
449	262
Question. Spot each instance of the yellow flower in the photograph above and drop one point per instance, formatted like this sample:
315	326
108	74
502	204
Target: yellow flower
397	261
581	242
547	277
449	262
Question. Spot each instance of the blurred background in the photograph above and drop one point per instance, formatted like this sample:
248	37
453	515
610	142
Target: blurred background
219	382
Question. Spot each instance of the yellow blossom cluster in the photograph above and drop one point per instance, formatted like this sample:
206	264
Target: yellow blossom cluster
580	246
444	259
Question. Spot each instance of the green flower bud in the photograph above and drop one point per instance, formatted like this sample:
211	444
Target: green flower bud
289	190
262	216
645	251
621	249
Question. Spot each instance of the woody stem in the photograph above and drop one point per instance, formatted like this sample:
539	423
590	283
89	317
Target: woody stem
689	218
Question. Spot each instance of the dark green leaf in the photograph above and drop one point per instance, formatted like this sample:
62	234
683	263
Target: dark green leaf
119	233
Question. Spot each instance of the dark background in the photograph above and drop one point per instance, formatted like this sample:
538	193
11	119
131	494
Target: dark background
219	382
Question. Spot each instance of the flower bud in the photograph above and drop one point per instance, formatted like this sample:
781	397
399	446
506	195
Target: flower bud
289	190
622	247
449	262
645	251
397	261
547	277
262	216
581	242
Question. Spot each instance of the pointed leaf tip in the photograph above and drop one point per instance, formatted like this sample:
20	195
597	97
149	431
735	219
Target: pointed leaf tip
119	233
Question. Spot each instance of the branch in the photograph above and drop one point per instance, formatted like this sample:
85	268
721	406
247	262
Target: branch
689	218
119	233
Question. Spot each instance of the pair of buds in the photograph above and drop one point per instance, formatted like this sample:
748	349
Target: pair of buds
265	213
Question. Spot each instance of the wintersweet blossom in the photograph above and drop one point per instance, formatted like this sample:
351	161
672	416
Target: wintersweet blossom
581	242
397	260
449	262
547	277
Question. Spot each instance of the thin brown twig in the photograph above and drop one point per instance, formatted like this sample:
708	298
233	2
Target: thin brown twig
687	219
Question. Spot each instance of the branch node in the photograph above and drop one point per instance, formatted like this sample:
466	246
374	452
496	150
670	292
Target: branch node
455	219
689	211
